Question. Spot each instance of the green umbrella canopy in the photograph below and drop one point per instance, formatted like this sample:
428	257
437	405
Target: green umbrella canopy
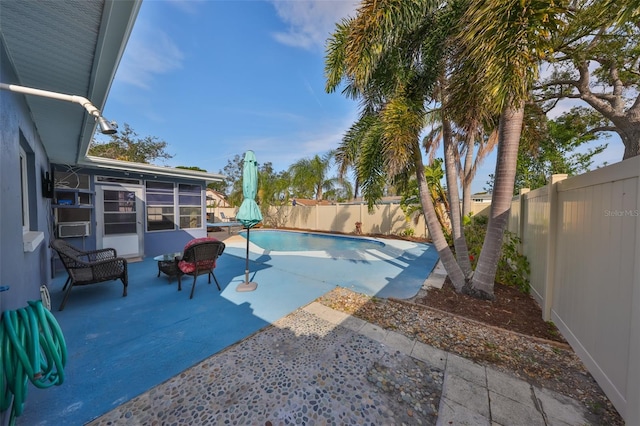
249	214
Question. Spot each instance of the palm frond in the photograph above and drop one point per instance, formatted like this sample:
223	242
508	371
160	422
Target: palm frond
502	44
402	120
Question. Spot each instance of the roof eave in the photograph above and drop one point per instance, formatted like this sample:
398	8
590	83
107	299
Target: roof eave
118	18
100	163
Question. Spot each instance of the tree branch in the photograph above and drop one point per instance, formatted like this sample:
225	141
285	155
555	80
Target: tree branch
600	129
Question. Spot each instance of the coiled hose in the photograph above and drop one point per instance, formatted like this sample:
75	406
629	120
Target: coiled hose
32	347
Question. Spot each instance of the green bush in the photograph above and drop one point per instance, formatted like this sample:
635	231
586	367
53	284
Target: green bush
409	232
513	267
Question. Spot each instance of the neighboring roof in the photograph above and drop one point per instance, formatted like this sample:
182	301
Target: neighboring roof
218	197
216	193
482	196
71	47
110	164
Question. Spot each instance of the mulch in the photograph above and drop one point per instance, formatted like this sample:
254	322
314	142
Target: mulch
511	310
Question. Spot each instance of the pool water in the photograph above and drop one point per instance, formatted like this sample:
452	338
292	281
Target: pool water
304	241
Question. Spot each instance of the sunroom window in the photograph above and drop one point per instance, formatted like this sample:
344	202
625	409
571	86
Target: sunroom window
190	206
160	206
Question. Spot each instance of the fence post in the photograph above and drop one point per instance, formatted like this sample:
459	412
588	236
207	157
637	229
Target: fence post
632	415
552	243
522	215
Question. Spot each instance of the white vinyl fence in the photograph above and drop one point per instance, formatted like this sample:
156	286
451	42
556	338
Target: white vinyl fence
386	219
582	238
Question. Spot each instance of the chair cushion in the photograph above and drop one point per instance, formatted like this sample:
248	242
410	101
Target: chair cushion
190	267
198	240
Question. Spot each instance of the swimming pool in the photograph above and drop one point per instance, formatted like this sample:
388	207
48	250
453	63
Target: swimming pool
288	241
386	267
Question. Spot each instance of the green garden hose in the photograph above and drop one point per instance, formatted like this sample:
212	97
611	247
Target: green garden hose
32	348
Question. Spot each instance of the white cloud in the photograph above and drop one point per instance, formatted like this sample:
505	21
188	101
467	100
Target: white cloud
149	52
311	22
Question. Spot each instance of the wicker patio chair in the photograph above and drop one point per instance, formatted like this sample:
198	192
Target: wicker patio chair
89	267
199	257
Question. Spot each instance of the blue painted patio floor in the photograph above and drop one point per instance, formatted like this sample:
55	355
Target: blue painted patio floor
121	347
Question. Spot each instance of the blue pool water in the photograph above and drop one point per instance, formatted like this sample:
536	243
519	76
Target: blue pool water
304	241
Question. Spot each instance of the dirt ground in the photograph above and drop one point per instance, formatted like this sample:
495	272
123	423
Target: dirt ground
511	310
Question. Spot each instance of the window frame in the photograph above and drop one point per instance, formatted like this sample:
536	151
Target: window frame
188	195
183	200
24	189
159	205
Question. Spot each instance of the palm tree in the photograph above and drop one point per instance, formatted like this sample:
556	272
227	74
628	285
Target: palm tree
346	155
393	94
309	176
410	197
502	43
391	56
273	195
360	148
473	145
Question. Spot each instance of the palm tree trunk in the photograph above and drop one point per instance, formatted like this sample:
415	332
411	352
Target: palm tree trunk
466	176
459	241
435	231
506	162
441	208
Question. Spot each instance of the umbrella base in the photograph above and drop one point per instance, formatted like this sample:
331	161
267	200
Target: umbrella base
247	286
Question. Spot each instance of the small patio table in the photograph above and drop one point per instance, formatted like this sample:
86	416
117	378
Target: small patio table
168	264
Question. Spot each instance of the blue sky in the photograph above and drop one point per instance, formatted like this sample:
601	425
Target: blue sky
216	78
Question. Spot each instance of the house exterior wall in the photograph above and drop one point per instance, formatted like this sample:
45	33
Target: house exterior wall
23	271
155	242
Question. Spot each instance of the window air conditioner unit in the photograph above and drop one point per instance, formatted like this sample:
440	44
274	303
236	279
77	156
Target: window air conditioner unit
73	229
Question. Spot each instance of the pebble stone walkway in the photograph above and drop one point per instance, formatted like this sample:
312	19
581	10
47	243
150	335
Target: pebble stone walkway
302	369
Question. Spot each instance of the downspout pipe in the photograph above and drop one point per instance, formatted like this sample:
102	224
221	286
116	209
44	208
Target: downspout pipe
105	127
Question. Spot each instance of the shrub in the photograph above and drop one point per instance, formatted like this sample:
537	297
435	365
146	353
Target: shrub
513	267
409	232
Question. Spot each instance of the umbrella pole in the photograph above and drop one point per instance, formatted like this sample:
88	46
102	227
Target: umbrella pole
246	268
246	285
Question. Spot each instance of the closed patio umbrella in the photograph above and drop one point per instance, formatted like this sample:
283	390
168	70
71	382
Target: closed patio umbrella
249	214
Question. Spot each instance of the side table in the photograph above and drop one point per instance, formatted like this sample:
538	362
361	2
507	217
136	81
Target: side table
168	264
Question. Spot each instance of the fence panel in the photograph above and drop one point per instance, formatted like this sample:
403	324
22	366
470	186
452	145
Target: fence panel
513	225
582	238
596	276
385	219
535	235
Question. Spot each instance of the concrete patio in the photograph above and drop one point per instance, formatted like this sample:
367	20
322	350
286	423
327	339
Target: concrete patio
121	347
273	356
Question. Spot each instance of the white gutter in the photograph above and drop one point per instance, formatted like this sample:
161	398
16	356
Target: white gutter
150	169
